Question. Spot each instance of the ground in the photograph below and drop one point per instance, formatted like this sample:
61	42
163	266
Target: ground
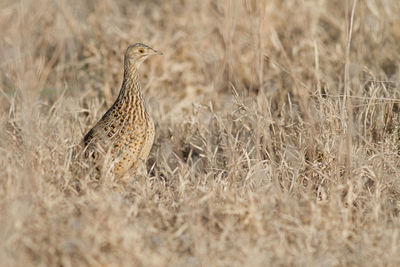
277	133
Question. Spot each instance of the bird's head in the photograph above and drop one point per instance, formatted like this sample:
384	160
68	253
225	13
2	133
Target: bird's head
137	53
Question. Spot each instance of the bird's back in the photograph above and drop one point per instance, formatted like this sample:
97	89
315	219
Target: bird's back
124	134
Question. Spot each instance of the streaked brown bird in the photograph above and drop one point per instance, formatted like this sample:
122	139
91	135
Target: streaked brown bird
126	130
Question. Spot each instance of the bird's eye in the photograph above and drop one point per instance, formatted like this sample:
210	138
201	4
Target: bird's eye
141	51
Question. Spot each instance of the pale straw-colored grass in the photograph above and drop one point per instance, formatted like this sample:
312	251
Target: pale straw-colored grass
277	133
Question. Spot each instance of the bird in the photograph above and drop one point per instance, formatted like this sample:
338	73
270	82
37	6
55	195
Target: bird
126	131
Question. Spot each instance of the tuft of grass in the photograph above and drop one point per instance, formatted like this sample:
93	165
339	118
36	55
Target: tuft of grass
277	133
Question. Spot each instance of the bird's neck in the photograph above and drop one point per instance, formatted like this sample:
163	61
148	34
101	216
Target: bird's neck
131	83
131	93
131	75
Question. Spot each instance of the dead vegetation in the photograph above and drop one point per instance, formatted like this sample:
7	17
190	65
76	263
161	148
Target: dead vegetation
277	135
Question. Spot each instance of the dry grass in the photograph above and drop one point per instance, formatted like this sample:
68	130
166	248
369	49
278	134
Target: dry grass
276	144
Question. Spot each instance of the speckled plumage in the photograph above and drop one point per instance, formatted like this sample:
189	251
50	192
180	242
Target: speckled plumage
126	130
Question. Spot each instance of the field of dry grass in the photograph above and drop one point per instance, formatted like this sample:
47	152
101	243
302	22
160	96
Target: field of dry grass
277	133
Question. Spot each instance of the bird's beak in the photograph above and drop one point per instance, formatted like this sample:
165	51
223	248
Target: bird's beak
158	52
